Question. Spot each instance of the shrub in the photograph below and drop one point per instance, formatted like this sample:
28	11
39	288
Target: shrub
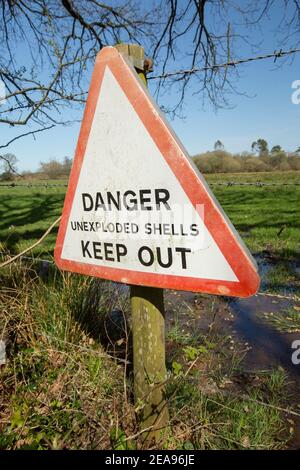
218	161
294	162
7	176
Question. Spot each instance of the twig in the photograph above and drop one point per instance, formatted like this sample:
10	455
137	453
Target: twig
10	260
278	408
279	296
26	134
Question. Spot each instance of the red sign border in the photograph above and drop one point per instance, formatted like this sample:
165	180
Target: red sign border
190	179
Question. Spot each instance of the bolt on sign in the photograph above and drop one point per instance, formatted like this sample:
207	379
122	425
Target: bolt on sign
137	210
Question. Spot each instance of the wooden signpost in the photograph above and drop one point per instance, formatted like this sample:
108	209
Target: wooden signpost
137	211
148	327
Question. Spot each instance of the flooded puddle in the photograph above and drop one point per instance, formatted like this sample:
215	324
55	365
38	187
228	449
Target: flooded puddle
269	346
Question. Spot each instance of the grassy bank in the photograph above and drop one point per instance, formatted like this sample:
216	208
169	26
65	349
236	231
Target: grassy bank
67	386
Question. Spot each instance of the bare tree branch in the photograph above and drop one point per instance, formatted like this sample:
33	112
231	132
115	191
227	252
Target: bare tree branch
24	135
10	164
64	36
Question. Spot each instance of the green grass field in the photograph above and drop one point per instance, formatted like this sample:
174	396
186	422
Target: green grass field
61	389
267	218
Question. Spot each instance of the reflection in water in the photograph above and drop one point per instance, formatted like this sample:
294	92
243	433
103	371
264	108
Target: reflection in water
269	346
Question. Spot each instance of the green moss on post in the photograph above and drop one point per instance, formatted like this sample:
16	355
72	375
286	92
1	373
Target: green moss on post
148	329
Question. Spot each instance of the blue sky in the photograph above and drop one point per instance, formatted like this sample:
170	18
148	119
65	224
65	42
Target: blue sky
266	112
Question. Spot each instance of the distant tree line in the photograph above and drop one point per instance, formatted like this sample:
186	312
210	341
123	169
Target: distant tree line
52	169
259	159
217	161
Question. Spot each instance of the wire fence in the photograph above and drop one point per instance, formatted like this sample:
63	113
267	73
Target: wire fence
214	67
29	185
259	184
247	183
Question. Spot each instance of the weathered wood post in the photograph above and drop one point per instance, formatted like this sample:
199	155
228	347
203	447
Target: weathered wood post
148	326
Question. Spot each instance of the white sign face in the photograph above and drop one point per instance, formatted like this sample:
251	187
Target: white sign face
128	217
123	173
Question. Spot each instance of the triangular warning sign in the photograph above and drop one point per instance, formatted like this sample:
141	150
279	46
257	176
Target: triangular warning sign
137	210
